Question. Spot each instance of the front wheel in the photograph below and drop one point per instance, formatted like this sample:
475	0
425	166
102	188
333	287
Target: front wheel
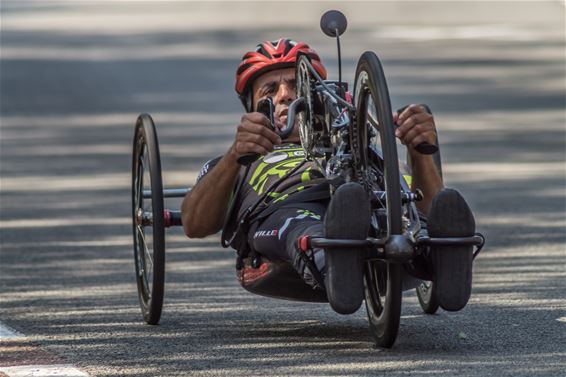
376	167
383	291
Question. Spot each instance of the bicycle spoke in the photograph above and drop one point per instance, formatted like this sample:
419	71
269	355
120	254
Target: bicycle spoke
146	249
138	236
372	112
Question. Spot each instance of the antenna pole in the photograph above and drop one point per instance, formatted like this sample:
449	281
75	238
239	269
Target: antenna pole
339	59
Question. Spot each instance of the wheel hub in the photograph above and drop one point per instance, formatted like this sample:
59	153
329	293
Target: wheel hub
143	218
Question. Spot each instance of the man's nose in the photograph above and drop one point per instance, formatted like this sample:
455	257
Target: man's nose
285	94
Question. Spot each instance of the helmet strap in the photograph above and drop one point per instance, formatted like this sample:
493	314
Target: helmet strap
246	99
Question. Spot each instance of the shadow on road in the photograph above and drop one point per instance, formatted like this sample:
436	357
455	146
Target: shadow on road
69	102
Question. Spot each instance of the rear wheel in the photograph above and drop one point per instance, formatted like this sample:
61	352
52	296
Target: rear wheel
147	217
376	166
427	297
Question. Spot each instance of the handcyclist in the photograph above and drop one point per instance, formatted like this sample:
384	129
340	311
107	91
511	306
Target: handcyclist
278	177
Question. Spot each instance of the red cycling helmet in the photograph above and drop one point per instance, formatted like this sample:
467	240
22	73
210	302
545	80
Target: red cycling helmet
268	56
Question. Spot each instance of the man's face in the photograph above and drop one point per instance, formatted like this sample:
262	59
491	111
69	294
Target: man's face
280	86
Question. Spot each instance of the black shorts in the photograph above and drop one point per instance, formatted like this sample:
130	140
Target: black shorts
276	237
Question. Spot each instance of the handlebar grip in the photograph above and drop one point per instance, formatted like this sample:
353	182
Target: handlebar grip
266	107
248	158
295	107
424	147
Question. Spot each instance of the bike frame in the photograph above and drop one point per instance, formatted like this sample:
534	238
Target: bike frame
333	115
331	108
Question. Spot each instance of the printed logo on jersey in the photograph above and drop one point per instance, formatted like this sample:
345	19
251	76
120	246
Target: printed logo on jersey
276	164
274	157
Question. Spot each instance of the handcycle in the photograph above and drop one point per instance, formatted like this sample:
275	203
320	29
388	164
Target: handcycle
351	138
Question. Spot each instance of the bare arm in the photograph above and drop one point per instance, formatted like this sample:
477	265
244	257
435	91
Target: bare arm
427	179
204	208
416	125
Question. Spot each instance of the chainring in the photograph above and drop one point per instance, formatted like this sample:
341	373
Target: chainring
305	118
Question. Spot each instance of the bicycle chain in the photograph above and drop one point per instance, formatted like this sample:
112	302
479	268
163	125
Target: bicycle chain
354	139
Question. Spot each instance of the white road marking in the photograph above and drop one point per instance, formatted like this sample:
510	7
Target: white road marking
43	371
8	333
55	370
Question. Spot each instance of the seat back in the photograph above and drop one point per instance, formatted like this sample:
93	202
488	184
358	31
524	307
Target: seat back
277	279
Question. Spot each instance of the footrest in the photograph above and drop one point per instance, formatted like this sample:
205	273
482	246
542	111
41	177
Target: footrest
395	248
307	243
477	240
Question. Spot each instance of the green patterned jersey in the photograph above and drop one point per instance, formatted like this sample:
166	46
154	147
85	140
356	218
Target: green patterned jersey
267	170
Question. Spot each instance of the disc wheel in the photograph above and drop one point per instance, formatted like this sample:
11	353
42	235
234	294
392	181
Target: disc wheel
147	218
374	130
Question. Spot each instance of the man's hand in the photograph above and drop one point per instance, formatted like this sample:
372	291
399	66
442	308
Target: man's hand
416	126
254	135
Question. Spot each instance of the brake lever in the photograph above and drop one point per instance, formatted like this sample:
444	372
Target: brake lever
424	147
265	107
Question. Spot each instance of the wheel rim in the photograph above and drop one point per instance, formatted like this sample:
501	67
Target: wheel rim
376	287
424	291
370	172
372	176
425	287
144	238
374	125
363	95
375	162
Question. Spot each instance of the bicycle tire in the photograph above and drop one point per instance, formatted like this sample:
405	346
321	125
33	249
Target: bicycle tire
383	288
150	284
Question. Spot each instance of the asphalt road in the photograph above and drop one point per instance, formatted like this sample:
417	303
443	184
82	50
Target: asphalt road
74	76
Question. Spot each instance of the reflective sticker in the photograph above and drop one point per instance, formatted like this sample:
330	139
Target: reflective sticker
275	157
306	176
280	198
408	178
308	213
